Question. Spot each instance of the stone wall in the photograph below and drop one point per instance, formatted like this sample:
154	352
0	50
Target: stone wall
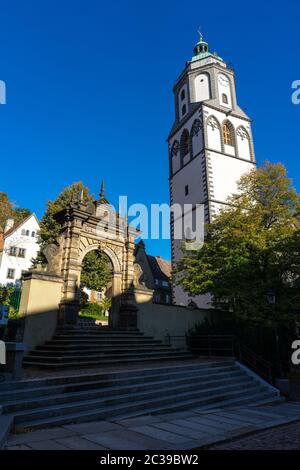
162	321
40	299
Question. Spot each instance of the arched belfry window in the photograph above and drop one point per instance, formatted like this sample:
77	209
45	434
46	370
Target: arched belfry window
227	135
184	144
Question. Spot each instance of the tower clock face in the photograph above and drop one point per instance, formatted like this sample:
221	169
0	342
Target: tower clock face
223	80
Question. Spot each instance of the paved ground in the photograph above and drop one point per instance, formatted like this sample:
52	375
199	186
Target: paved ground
283	438
182	430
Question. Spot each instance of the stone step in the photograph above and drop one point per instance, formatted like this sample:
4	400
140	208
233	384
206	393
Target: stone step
96	341
54	349
158	388
67	414
99	335
29	362
175	370
161	396
111	350
100	381
99	356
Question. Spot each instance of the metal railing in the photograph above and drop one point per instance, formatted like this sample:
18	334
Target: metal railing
213	346
255	362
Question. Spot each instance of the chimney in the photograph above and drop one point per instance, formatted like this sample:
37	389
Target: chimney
9	225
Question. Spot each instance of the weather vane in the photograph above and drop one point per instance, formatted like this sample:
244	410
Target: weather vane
200	33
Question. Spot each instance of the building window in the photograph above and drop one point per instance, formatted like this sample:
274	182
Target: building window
33	234
182	95
185	143
27	233
13	251
165	284
183	110
23	231
227	136
10	274
224	98
186	190
156	282
22	252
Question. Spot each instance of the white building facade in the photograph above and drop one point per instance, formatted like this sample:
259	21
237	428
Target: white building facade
19	248
210	144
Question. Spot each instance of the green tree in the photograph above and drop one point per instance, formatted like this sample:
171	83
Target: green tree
49	227
9	210
21	213
252	248
96	271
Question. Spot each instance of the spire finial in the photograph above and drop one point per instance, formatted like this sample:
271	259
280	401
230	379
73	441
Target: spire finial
201	48
102	195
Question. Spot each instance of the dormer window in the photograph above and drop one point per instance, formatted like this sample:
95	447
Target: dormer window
182	95
183	110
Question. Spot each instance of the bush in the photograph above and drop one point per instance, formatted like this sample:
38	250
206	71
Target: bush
92	310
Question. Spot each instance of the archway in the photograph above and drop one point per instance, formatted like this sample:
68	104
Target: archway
96	287
112	289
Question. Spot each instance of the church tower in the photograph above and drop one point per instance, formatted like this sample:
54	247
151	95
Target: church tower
210	143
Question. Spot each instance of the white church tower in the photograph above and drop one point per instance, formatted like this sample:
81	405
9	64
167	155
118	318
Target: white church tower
210	143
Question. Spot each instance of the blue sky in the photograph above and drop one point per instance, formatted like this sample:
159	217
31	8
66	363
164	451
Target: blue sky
89	90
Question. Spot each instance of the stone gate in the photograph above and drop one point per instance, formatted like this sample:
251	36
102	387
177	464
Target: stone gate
94	226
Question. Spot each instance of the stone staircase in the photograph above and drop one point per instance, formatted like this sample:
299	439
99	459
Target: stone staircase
120	394
92	346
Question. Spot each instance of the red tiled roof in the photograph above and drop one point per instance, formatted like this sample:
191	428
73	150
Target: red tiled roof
161	268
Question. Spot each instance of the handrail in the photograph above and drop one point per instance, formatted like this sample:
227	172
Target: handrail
231	347
255	362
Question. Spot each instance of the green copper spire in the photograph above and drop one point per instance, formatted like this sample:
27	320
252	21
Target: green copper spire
201	49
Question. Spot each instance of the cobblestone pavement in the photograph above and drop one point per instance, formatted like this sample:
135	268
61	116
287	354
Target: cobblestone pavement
283	438
191	429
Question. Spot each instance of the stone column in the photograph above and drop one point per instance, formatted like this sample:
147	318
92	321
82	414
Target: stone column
69	305
128	308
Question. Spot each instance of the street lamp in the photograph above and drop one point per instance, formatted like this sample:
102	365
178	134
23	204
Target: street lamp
271	298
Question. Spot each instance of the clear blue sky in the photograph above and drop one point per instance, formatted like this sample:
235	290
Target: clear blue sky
89	90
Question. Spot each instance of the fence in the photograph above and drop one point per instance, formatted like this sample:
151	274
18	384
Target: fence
15	298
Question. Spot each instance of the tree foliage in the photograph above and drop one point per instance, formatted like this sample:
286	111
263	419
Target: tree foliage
251	248
49	227
9	210
96	271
